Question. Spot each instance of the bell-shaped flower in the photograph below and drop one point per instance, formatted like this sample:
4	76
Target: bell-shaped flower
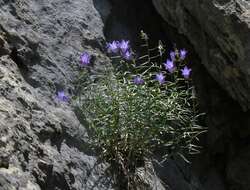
138	80
124	46
169	66
127	55
183	54
85	59
172	55
113	47
62	97
160	78
186	72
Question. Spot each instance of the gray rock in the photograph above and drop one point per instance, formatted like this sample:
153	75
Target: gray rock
42	143
147	179
219	32
42	146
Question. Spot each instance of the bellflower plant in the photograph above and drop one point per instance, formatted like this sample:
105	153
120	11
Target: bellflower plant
130	116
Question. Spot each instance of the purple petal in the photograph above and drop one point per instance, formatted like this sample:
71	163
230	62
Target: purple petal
169	66
127	55
172	55
160	78
85	59
124	46
186	72
183	54
113	47
62	97
138	80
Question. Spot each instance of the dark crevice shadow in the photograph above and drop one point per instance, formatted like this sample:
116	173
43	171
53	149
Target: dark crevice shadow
17	59
131	18
23	68
125	20
104	8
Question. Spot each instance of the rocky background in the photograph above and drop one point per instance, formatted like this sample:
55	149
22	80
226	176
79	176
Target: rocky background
219	32
43	145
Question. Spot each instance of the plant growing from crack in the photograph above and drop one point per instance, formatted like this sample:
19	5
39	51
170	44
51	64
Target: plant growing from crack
139	107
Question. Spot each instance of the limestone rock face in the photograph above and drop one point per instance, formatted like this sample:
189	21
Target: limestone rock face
42	143
219	31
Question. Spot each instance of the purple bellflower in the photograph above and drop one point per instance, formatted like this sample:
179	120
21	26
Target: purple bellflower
169	65
85	59
62	97
186	72
160	78
183	54
172	55
124	46
113	47
127	55
138	80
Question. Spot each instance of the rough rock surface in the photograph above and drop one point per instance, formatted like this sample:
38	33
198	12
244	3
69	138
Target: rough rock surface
219	32
42	143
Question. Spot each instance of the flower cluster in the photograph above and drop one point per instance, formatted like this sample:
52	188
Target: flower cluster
138	106
121	47
124	49
177	56
170	66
